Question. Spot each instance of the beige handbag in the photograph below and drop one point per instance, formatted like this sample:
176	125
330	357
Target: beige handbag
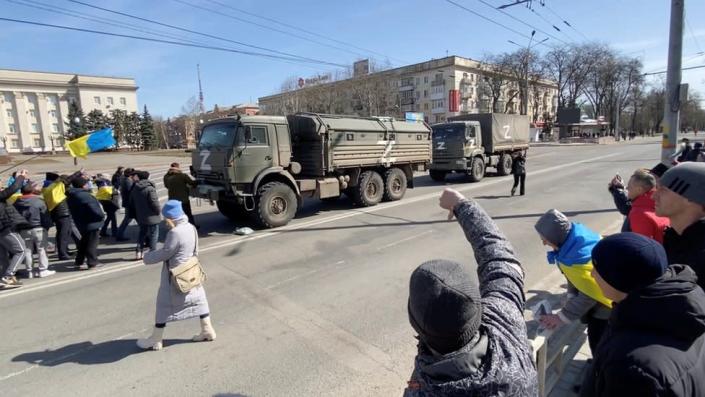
189	274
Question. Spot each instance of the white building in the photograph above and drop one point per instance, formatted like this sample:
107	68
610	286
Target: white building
34	105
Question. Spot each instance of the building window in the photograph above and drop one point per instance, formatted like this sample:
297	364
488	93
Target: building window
37	142
34	128
52	113
425	106
96	99
11	128
9	113
51	100
407	81
418	80
123	101
110	100
33	113
417	94
15	143
425	93
8	97
425	79
55	127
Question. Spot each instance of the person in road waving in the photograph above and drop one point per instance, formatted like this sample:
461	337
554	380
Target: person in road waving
472	338
655	342
36	233
519	172
12	248
88	216
180	245
572	245
637	203
144	201
680	196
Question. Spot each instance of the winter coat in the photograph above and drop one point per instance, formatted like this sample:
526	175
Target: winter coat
116	180
8	214
654	344
687	248
643	219
500	362
519	165
125	189
172	305
178	184
574	259
623	204
85	210
145	203
33	209
109	198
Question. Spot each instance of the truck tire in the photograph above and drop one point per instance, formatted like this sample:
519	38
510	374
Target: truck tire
504	167
276	204
477	169
394	184
369	189
231	210
437	175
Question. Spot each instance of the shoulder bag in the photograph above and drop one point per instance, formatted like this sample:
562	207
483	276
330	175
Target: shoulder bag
189	274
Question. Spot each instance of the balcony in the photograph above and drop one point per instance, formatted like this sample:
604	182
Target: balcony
407	101
438	95
438	110
438	82
406	87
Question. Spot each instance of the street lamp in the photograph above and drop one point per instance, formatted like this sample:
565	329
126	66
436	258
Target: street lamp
525	100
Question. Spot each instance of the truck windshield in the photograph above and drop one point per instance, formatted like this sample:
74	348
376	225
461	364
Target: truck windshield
453	130
218	135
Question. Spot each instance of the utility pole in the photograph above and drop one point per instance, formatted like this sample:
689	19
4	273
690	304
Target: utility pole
671	113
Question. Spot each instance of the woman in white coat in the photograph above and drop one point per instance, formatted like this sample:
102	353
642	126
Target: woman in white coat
181	244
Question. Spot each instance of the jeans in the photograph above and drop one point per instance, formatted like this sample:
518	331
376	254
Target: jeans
148	237
123	226
88	248
35	242
519	179
11	247
110	219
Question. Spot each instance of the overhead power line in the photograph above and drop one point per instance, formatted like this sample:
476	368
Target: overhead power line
178	43
556	28
491	20
312	33
285	54
521	21
665	71
564	21
692	35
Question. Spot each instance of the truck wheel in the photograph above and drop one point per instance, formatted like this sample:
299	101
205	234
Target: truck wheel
369	189
477	169
438	176
276	204
394	184
504	167
231	210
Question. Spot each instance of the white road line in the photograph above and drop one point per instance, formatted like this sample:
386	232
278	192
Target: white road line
308	273
404	240
238	240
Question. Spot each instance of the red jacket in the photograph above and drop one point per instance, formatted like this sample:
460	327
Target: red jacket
643	219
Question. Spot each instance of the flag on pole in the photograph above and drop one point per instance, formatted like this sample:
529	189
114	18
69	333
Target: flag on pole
93	142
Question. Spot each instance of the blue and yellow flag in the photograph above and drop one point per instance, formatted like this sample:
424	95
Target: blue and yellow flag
93	142
54	194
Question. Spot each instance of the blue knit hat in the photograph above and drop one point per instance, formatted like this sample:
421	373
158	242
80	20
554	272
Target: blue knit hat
172	209
629	261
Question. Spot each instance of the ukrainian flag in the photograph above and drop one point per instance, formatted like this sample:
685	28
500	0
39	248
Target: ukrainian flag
93	142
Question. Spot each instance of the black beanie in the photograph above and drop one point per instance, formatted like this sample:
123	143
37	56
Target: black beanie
629	261
142	175
52	176
444	305
79	182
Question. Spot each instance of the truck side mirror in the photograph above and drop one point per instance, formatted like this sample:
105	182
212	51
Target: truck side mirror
248	134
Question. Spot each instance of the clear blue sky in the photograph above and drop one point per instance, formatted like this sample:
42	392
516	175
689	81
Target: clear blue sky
407	31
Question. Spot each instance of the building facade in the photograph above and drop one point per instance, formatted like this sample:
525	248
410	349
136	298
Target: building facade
34	105
438	89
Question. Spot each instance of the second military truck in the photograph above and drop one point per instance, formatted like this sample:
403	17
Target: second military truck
266	165
470	143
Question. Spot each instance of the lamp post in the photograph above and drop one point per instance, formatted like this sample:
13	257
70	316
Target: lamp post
525	100
76	120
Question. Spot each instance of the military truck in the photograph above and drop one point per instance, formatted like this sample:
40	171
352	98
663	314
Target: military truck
265	166
470	143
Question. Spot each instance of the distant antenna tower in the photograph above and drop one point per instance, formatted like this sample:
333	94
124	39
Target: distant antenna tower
201	108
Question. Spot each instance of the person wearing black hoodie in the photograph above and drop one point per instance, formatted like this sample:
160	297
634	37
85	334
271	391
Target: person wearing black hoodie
88	216
519	172
472	337
654	344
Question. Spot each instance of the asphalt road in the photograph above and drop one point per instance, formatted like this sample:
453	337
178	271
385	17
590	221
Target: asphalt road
314	308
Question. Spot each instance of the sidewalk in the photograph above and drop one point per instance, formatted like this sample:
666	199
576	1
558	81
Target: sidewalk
573	374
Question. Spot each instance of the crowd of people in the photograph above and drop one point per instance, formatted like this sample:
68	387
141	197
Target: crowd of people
83	209
639	291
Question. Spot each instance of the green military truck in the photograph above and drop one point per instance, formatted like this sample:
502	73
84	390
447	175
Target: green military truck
470	143
265	166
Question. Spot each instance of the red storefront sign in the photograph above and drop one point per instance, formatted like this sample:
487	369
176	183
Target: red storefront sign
453	100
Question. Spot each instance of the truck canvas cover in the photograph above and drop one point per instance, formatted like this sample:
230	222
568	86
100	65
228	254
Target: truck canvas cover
500	131
323	143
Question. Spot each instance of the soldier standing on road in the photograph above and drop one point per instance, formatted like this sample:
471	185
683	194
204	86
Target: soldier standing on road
181	244
472	337
179	185
144	201
519	172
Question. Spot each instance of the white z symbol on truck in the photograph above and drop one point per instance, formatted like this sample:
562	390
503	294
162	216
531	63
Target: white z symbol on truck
441	145
506	132
205	166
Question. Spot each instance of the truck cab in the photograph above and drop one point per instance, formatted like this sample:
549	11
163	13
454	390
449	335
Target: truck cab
457	147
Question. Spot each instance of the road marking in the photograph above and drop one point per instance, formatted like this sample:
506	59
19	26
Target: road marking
123	266
308	273
403	240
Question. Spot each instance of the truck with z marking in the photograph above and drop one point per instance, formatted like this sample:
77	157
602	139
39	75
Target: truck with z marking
265	166
470	143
